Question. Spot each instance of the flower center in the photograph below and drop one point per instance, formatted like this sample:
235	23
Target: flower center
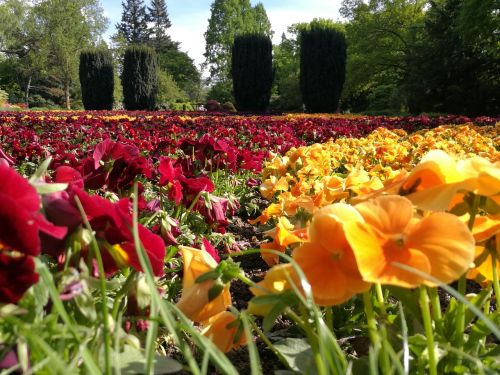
398	240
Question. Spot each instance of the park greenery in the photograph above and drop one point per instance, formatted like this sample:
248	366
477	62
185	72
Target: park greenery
403	56
145	234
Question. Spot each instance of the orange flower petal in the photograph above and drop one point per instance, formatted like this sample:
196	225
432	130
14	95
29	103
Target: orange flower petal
389	214
326	227
376	256
332	277
277	280
447	243
220	330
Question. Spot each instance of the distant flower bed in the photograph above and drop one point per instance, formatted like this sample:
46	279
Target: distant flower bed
118	234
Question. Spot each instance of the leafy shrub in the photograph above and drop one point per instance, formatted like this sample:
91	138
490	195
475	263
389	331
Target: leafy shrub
252	71
140	78
221	91
168	90
97	79
181	107
228	107
322	65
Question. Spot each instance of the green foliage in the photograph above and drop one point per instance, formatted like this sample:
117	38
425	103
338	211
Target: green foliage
450	73
379	34
287	77
181	107
221	92
46	39
183	71
168	91
252	71
229	18
134	23
4	96
97	79
322	65
140	78
158	15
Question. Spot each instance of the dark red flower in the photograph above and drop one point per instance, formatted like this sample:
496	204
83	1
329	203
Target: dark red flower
20	221
114	165
112	224
17	275
207	246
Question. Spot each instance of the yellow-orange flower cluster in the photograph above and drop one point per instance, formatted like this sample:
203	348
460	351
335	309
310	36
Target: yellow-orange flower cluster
219	325
391	224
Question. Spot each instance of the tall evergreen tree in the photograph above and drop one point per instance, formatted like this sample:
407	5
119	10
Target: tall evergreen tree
322	65
134	24
140	78
158	15
97	79
252	71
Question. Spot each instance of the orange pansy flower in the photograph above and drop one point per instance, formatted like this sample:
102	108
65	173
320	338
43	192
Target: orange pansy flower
327	259
484	266
277	280
433	183
439	245
283	235
223	330
194	301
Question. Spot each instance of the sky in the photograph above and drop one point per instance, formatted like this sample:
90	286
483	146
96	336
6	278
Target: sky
189	18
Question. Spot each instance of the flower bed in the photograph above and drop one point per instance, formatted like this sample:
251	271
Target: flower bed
118	233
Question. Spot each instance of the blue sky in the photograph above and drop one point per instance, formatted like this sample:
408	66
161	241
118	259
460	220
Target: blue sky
190	18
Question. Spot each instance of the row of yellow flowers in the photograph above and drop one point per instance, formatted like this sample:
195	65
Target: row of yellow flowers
355	212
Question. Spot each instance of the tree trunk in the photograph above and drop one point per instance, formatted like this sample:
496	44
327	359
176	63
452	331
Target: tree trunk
66	90
28	87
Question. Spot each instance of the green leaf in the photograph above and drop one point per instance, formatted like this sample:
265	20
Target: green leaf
41	171
273	314
131	362
44	188
210	275
298	354
214	291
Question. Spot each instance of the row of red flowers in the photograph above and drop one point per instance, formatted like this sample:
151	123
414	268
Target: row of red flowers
230	141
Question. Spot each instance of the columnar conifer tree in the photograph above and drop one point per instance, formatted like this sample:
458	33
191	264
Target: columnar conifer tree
97	79
322	65
252	71
140	78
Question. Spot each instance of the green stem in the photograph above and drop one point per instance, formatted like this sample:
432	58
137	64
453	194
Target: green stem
122	293
191	206
460	320
380	299
312	338
329	317
269	344
436	309
297	320
426	316
383	329
245	279
102	283
496	284
370	320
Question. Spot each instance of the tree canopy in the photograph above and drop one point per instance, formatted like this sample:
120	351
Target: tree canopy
228	19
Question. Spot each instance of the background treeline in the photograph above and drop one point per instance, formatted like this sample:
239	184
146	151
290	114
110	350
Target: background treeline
41	42
409	56
403	56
